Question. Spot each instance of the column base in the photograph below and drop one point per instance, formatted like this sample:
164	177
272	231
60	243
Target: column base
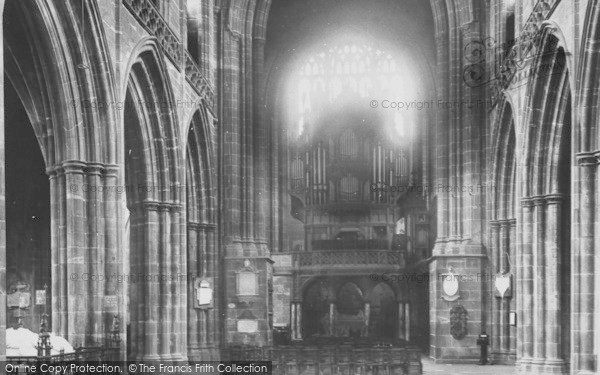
542	366
204	353
504	358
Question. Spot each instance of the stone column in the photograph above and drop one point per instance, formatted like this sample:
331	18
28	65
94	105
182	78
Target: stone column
407	321
84	216
201	270
331	318
213	321
496	308
299	321
149	318
164	261
401	324
159	292
243	232
525	286
504	302
294	325
296	319
512	329
554	361
539	287
367	317
193	335
583	266
2	206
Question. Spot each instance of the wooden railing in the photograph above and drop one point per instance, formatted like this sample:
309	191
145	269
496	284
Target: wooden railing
108	352
332	359
88	355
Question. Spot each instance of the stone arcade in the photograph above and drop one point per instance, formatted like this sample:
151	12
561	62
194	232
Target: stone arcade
205	177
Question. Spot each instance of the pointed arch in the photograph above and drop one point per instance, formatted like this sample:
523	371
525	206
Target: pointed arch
547	111
544	250
57	59
589	76
153	168
155	133
70	100
503	163
202	253
503	224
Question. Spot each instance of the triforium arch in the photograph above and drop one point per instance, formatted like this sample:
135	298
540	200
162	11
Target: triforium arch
503	228
585	238
55	68
544	223
153	168
202	254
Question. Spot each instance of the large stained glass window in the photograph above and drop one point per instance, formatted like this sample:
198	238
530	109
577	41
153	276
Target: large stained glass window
344	73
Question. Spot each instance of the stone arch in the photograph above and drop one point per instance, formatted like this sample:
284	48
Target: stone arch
589	72
149	93
153	170
69	101
383	312
549	103
318	294
64	46
544	213
503	224
202	254
503	162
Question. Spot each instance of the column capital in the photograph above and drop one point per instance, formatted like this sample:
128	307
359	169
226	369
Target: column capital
495	223
527	202
588	159
82	167
148	205
554	198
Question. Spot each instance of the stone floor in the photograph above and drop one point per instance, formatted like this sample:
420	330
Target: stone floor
430	368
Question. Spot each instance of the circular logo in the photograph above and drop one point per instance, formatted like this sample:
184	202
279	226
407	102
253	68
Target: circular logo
474	75
475	52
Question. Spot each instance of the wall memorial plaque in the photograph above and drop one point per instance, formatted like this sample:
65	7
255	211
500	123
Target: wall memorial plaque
247	283
203	292
40	297
247	326
458	322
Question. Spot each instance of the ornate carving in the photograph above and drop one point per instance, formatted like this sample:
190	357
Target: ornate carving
345	258
523	50
150	18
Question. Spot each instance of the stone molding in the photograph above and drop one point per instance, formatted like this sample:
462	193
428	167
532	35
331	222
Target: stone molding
522	52
145	12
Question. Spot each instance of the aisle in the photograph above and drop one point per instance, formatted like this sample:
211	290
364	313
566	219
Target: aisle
430	368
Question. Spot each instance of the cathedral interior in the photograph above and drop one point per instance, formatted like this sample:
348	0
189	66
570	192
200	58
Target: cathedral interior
191	179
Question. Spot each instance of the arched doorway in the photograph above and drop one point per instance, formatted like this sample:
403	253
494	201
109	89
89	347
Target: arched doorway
350	315
383	318
315	310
